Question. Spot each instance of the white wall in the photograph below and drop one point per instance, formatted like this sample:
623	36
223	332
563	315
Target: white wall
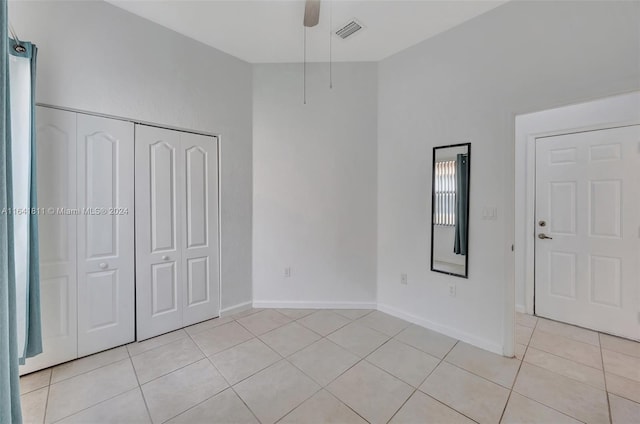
314	185
98	58
467	85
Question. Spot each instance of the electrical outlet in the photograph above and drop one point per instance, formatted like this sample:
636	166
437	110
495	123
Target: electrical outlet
287	272
403	278
452	290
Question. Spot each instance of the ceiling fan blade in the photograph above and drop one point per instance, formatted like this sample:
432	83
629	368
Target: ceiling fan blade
311	13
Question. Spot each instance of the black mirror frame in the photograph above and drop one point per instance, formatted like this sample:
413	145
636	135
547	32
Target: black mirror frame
433	198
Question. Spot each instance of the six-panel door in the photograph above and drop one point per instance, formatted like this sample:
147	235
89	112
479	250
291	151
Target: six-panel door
587	267
105	233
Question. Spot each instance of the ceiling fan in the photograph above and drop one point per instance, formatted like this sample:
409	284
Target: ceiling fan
311	13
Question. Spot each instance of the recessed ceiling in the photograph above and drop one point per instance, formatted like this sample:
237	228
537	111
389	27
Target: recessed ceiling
267	31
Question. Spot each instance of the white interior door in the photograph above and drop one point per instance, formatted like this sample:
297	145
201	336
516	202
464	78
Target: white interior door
56	173
159	177
588	197
200	228
106	315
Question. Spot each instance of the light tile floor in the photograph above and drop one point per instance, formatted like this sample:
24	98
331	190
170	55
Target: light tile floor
343	366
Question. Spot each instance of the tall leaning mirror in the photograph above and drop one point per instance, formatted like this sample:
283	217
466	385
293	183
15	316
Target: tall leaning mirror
450	209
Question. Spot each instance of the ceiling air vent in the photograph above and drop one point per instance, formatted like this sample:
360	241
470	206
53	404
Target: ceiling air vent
349	29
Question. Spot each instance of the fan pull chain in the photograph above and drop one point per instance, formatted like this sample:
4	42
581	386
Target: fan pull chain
330	44
304	69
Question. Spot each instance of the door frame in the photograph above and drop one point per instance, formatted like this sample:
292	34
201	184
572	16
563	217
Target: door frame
610	112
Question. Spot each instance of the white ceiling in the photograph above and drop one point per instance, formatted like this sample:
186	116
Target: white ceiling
267	31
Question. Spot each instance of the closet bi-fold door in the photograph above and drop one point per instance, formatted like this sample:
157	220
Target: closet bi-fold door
106	287
158	255
56	178
177	265
200	228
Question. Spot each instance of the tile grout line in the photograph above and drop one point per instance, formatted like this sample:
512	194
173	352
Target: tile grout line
260	370
212	396
254	373
226	348
90	370
341	402
534	400
417	388
604	376
144	398
563	357
515	377
632	357
576	362
244	403
437	400
565	337
159	346
330	341
95	404
188	335
460	367
46	403
549	407
298	405
90	406
323	387
204	400
374	365
230	386
169	372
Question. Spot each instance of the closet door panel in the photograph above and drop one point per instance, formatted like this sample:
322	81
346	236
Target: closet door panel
56	174
200	228
158	256
105	233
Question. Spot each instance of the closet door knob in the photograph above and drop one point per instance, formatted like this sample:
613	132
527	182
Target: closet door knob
165	258
103	265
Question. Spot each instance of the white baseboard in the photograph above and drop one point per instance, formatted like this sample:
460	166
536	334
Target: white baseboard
443	329
521	309
235	309
313	305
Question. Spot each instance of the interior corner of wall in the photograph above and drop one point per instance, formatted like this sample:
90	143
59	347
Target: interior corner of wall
461	335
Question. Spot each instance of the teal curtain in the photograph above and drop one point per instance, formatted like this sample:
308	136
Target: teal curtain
20	323
9	380
31	327
462	201
34	323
